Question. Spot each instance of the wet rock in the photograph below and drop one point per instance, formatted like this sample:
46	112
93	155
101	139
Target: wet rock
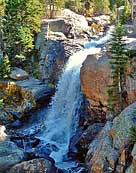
89	134
16	124
73	150
16	115
44	150
80	142
10	155
18	74
79	170
34	166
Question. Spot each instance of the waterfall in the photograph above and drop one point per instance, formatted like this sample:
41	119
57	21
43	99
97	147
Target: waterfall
62	117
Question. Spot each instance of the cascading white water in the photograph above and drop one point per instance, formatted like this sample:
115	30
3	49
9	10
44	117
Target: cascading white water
62	118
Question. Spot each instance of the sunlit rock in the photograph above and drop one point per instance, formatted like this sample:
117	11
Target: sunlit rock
3	135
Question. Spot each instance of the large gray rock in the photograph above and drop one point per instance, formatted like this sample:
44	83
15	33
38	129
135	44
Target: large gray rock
108	150
38	89
70	24
52	59
77	22
34	166
101	157
122	125
100	20
53	56
22	96
131	41
10	155
95	77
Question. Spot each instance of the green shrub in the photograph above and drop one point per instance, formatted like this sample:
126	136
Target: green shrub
5	67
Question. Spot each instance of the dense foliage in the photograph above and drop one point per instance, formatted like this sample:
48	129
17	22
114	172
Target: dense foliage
88	7
5	67
21	20
126	12
102	6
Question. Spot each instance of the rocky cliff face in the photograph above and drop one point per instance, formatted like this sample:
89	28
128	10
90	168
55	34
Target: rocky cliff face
96	76
111	149
56	42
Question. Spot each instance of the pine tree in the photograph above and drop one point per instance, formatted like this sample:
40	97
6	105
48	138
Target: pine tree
22	20
126	12
102	6
75	5
119	63
52	5
2	7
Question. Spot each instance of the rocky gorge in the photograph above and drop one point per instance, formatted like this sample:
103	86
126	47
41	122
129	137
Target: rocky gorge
101	143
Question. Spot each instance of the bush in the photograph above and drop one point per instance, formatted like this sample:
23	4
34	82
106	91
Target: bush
5	67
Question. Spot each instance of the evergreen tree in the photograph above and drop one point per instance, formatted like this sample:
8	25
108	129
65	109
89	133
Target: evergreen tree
112	4
102	6
22	20
52	5
74	5
119	62
126	12
120	2
2	7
